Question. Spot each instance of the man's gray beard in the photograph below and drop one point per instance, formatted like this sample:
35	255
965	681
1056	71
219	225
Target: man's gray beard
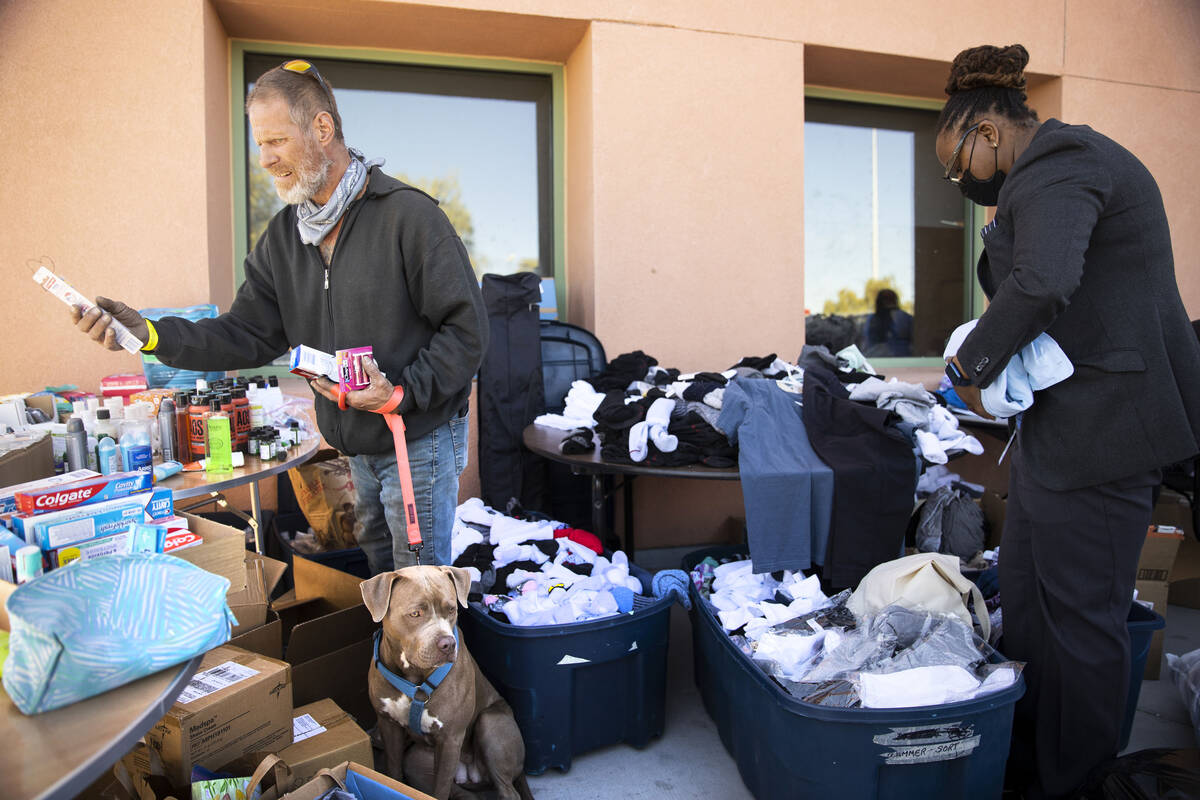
310	177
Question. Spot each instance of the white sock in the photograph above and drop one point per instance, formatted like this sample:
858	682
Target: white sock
932	448
658	418
638	436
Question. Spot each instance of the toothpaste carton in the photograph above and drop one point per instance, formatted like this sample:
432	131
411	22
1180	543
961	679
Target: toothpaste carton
181	540
138	539
351	375
82	492
309	362
8	499
161	505
56	529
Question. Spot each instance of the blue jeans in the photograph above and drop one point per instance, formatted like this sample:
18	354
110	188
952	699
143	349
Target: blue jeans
436	461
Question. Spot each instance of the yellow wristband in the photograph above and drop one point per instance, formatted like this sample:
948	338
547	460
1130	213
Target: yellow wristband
152	339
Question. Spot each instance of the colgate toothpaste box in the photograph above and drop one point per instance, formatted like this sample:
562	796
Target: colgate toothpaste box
8	499
82	492
56	529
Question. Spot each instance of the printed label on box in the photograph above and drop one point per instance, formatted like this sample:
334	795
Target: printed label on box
212	680
305	727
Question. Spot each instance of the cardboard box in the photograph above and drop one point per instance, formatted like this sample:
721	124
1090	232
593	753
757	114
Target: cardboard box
238	702
250	604
29	463
223	551
1158	554
1154	572
1174	509
326	633
341	740
266	639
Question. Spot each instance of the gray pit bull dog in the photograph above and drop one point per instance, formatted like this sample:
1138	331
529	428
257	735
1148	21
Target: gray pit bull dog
467	730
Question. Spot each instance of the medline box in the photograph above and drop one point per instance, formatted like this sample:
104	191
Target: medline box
785	747
578	687
237	702
311	363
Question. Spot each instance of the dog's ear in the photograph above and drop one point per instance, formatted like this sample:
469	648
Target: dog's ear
377	594
462	583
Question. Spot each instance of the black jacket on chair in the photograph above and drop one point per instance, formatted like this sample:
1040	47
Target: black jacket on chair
1080	249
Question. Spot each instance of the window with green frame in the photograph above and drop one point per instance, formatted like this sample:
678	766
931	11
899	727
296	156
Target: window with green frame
887	242
478	140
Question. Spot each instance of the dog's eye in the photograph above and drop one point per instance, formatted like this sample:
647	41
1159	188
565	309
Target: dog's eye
415	613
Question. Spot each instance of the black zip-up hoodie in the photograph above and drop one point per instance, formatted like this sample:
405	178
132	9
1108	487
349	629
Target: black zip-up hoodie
400	281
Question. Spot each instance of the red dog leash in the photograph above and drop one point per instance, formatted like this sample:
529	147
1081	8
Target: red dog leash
396	424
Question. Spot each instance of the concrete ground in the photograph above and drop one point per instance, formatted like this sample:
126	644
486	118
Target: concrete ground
689	761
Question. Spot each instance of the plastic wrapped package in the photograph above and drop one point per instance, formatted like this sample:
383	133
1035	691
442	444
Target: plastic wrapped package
158	374
1185	674
897	658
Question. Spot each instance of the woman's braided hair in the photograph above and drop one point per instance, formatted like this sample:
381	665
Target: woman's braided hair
986	79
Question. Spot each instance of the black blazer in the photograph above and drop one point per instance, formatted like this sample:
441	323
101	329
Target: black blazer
1080	249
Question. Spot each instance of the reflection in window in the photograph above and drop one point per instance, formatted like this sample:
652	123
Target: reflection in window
479	142
883	234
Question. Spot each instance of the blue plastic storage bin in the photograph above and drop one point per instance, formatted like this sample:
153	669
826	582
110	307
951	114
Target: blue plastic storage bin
578	687
786	748
1142	624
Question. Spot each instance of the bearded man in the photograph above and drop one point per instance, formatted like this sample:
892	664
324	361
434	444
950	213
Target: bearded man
356	258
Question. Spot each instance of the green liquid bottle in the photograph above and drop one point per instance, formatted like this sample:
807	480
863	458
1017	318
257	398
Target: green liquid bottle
218	443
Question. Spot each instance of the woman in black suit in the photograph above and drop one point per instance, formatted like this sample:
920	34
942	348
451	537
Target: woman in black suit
1079	249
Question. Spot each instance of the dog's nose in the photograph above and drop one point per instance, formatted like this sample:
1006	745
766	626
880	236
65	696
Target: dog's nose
446	645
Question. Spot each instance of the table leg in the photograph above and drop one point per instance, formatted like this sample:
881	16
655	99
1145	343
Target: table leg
599	523
627	503
256	513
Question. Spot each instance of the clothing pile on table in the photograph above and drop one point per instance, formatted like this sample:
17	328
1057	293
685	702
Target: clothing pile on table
828	452
821	652
539	571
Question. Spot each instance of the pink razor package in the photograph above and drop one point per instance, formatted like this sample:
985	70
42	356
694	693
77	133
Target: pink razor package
351	375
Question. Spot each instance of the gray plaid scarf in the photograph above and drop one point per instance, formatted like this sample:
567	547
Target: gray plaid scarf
315	222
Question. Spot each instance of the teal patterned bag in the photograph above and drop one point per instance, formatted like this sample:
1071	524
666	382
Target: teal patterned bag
94	625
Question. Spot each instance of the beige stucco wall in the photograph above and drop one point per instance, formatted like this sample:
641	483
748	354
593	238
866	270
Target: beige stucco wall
106	109
684	150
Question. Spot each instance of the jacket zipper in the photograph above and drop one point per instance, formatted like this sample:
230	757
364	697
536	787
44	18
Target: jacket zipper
347	219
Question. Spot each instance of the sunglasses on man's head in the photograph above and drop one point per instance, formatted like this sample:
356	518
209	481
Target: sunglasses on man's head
302	67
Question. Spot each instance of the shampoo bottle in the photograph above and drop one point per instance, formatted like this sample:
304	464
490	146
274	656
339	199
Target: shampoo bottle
218	440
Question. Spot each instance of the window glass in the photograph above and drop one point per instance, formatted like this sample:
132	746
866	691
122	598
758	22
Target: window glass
883	234
477	141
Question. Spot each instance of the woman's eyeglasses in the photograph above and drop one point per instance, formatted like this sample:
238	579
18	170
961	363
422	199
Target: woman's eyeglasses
951	175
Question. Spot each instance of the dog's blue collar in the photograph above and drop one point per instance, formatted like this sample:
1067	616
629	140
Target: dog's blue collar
417	707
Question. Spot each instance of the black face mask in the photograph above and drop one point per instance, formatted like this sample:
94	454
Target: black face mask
984	193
